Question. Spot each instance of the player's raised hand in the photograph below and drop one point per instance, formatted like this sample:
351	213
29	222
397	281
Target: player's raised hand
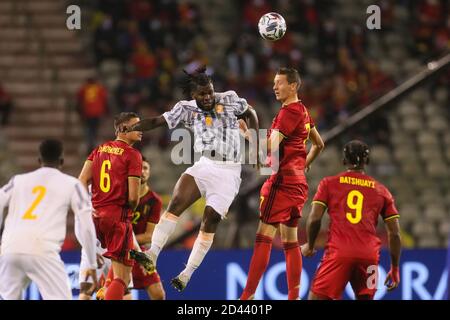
393	278
307	251
94	213
243	128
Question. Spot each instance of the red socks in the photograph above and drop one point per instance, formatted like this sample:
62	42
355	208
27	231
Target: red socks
293	268
258	264
115	290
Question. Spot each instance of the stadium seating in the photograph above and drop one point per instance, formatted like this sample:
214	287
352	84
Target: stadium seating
42	66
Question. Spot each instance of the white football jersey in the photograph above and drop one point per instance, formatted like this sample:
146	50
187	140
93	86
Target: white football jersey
38	205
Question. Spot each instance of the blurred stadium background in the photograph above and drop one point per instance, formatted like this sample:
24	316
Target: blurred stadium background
129	56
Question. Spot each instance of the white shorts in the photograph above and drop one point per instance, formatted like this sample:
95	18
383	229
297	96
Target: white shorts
47	272
84	265
218	182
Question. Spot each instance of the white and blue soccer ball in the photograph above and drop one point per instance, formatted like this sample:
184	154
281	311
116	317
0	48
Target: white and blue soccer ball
272	26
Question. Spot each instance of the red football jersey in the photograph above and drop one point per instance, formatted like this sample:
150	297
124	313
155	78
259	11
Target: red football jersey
294	122
354	201
112	163
148	210
93	98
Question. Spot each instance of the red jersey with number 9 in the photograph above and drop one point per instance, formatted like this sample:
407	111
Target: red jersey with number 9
294	123
354	201
112	163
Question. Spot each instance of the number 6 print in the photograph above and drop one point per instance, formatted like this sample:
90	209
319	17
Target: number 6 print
105	180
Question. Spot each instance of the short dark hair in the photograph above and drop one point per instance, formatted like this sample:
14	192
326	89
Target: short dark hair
356	153
292	76
51	150
122	118
197	78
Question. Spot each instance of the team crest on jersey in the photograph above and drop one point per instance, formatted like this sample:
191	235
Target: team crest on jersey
219	108
208	121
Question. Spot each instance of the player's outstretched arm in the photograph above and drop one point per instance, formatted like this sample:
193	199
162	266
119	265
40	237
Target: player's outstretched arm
133	192
316	148
312	228
274	141
85	229
251	118
5	196
395	246
148	124
86	174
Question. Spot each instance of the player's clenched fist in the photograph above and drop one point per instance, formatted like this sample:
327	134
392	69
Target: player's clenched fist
393	278
307	251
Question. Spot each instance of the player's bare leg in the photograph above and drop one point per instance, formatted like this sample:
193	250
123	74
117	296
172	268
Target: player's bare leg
122	274
293	257
210	222
260	258
184	195
156	291
128	295
313	296
267	230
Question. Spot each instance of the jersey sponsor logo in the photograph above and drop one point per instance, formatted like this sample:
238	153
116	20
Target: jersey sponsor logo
112	150
219	108
208	121
357	182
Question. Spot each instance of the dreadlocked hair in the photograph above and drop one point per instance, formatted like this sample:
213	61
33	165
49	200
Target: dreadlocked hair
356	153
197	78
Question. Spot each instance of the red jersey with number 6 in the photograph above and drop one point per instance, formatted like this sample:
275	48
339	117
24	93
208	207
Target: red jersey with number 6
354	201
112	163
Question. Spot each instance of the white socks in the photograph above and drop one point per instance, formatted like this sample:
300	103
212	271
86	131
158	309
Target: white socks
163	230
201	247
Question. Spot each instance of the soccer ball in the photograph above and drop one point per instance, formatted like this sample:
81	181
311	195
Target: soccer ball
272	26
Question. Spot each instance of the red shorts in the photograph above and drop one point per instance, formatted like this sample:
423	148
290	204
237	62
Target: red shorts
141	279
115	232
280	203
334	273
